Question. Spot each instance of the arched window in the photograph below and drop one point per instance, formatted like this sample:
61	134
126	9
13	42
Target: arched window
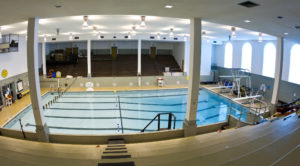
247	56
228	56
269	60
294	64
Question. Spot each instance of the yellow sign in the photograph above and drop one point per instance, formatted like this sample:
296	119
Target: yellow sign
4	73
187	77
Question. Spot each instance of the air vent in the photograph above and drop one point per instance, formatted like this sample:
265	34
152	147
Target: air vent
175	38
102	37
126	37
53	39
248	4
76	37
152	37
297	27
164	38
115	37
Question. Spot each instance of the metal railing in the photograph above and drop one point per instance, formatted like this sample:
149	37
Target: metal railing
159	119
254	113
60	93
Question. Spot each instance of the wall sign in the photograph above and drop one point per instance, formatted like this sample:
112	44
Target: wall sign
4	73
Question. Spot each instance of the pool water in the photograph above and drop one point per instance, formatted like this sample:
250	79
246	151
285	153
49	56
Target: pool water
102	112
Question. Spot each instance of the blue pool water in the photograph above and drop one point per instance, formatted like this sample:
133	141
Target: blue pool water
99	112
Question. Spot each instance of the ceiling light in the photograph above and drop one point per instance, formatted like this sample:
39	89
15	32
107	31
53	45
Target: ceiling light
260	37
129	35
168	6
94	29
85	22
71	36
203	34
171	32
143	19
133	32
233	34
184	37
247	21
286	33
45	38
158	36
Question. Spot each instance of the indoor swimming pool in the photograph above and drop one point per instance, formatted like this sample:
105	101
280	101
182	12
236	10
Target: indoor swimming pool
107	112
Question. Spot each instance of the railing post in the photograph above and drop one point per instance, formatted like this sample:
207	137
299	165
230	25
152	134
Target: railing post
170	121
158	123
22	129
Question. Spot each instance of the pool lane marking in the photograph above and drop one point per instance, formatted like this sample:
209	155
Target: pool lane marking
176	104
114	96
136	110
77	128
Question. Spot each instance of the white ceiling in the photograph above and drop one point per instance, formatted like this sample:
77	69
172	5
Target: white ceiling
109	25
263	18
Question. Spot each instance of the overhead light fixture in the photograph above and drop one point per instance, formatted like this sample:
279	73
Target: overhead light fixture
233	34
260	37
203	34
247	21
71	36
171	32
184	37
168	6
129	35
85	22
158	36
133	32
143	19
45	38
94	29
286	33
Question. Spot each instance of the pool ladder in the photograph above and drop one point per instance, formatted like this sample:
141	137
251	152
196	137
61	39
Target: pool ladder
170	117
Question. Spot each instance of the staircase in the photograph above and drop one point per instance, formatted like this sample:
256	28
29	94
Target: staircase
116	154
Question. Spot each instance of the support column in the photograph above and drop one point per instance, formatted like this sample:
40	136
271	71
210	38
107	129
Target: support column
89	58
139	69
34	82
44	59
189	124
278	74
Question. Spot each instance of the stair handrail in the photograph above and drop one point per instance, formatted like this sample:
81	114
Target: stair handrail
158	125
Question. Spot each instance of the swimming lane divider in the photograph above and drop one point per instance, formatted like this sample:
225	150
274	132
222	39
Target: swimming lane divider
113	96
136	110
78	128
176	104
129	118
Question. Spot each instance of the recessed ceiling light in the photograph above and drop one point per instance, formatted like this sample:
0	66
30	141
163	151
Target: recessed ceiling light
169	6
58	6
286	33
247	21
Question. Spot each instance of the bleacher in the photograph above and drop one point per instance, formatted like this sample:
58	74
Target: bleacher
271	143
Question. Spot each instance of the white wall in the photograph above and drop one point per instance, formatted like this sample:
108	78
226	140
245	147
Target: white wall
14	62
158	45
206	58
179	52
120	44
257	55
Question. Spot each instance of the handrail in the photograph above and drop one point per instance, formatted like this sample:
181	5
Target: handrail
158	124
120	114
60	93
